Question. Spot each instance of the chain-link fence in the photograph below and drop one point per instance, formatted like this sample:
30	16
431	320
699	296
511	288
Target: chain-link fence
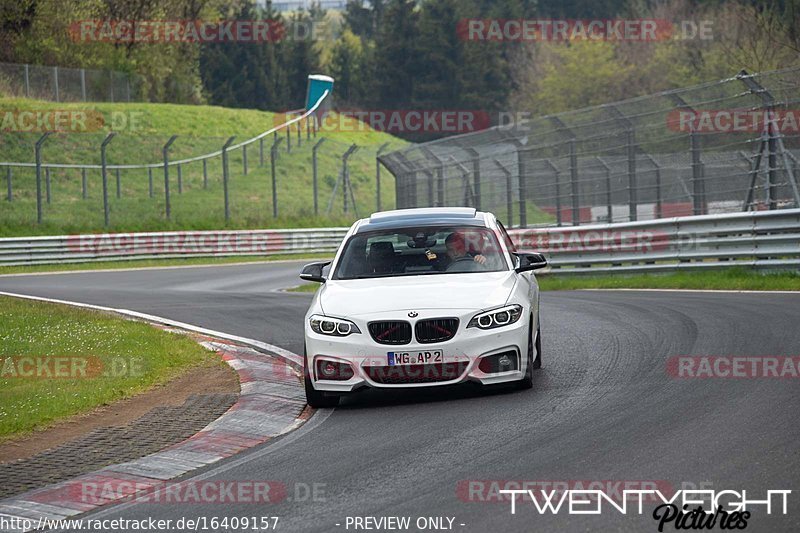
60	84
729	145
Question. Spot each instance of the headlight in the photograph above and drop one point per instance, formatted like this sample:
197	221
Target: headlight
496	317
335	327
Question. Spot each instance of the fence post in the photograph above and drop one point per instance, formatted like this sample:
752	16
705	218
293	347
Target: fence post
150	181
27	81
165	153
573	179
38	156
314	174
288	140
772	161
225	177
83	84
697	174
55	83
205	173
523	186
47	182
180	179
556	174
84	188
111	76
609	208
381	148
9	193
308	128
299	134
657	170
632	186
346	178
476	176
244	159
119	184
509	192
273	155
103	146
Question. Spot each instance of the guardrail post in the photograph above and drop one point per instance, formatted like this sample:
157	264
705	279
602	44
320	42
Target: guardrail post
225	177
119	184
205	173
244	159
314	174
9	193
165	153
37	150
47	183
84	187
381	148
103	167
150	181
573	179
698	185
273	155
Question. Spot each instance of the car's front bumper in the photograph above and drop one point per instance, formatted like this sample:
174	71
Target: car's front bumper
464	350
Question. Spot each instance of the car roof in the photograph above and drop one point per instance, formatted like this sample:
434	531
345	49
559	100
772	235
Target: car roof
424	216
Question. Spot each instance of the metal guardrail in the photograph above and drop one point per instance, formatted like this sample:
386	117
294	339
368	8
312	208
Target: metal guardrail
763	240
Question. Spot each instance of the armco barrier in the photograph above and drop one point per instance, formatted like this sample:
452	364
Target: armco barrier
766	239
763	240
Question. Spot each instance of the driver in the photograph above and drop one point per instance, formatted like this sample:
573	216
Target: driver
457	248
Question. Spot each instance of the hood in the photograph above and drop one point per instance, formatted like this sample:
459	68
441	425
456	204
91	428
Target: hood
441	291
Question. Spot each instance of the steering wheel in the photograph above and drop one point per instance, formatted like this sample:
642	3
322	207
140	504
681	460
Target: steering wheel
465	263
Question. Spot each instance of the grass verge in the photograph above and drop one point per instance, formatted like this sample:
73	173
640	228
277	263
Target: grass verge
57	361
730	279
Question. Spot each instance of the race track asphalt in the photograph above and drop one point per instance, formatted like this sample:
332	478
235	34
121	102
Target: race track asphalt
603	407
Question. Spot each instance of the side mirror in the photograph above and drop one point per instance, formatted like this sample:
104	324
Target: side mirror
530	261
313	271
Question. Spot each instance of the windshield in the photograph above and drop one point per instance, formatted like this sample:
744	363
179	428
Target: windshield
420	251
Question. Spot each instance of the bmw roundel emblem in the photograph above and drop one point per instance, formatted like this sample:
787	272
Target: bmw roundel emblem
413	314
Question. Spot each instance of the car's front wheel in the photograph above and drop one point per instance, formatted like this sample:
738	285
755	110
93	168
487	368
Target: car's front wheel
315	398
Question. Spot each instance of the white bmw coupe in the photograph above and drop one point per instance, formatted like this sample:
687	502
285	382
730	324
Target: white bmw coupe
420	298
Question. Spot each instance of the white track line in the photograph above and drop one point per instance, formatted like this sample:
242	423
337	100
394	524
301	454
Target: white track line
292	358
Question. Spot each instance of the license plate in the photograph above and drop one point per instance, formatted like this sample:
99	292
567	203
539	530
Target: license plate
415	358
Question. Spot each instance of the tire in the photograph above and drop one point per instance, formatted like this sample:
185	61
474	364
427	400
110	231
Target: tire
537	364
527	380
315	398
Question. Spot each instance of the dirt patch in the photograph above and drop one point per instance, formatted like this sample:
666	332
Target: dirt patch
218	379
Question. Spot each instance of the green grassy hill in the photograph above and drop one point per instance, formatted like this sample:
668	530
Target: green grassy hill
201	129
